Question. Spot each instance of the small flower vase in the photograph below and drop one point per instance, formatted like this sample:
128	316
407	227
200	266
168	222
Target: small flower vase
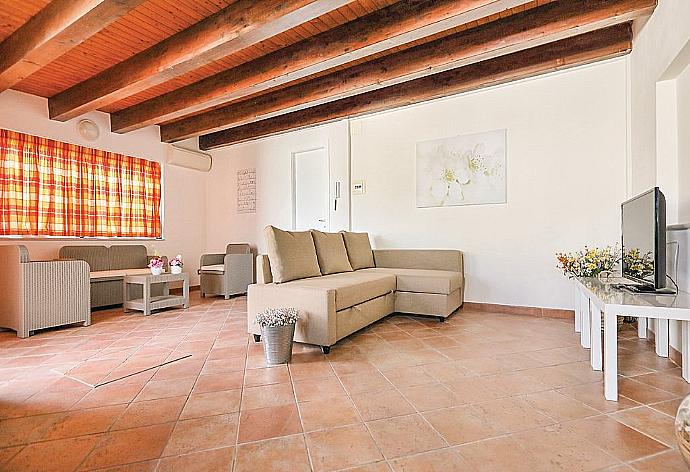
175	269
156	270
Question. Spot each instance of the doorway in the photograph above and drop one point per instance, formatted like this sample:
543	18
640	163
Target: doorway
310	190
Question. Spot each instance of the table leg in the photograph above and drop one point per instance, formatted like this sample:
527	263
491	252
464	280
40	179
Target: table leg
125	295
685	333
578	311
661	338
586	331
147	297
610	356
595	352
185	293
642	328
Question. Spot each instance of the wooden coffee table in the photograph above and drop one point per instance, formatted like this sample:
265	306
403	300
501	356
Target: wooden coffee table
149	303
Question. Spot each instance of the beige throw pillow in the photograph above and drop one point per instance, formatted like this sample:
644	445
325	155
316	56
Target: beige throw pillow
331	252
358	250
292	254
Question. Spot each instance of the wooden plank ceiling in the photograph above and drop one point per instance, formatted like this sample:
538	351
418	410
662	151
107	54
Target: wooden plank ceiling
235	70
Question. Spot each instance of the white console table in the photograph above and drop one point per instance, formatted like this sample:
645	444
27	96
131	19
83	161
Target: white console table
599	300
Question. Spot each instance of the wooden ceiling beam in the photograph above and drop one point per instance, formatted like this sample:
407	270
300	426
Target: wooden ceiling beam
57	28
237	26
403	22
551	22
590	47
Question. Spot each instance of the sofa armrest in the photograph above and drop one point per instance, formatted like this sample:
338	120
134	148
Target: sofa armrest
263	270
56	292
241	268
316	306
211	259
433	259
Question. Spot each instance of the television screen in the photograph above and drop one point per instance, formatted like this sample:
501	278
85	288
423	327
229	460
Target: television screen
644	239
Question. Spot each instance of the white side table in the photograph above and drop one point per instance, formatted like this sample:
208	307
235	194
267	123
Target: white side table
149	303
608	303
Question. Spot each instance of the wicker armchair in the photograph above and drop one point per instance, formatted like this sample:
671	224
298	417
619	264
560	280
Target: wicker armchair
37	295
227	274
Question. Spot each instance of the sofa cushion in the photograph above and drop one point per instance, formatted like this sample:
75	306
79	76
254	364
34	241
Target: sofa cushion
331	252
358	250
442	282
96	256
351	288
127	256
292	254
213	269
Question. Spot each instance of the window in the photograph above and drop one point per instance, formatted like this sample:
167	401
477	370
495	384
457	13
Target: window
50	188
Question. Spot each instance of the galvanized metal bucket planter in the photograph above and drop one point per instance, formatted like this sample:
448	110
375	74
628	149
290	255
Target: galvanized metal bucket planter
277	342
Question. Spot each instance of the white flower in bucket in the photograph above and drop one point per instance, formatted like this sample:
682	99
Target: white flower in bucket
277	330
273	317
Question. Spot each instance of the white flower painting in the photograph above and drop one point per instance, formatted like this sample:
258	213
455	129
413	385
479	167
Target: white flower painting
463	170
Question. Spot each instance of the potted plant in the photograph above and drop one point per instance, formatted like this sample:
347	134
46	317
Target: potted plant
156	265
277	331
176	264
589	262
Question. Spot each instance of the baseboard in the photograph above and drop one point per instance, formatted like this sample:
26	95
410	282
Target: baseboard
521	310
178	290
673	354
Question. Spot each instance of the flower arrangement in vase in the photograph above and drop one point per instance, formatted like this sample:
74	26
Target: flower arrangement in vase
176	264
589	262
156	265
277	332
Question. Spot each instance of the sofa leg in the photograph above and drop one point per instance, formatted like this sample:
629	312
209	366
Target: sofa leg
257	338
227	297
325	349
203	295
441	319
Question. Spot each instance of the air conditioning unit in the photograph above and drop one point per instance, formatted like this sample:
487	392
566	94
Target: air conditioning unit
194	160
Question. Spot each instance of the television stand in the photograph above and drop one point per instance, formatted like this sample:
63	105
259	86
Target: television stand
637	288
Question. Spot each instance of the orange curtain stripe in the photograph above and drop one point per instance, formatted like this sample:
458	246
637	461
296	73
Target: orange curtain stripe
51	188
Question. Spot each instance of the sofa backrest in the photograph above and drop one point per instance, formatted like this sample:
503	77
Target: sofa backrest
238	249
435	259
127	256
95	256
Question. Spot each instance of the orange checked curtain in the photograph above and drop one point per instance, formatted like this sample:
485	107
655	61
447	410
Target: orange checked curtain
50	188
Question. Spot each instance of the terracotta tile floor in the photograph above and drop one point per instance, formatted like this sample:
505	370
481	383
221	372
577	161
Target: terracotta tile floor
480	392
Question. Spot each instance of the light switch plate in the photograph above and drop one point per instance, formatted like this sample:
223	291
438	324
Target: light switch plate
358	187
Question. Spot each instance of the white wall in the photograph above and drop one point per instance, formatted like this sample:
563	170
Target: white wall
565	175
683	110
272	158
655	47
184	191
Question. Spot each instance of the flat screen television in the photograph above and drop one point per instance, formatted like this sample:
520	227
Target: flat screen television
644	240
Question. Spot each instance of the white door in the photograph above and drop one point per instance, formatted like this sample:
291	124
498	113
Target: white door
310	190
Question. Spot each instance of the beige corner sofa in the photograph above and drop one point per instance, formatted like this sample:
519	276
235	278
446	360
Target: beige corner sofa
340	285
108	267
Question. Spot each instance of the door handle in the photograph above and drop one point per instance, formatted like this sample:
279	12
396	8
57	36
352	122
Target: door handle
321	220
